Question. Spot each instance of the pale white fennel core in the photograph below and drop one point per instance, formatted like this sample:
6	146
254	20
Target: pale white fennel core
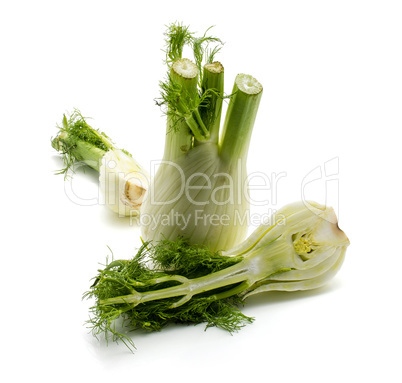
185	68
301	246
202	194
123	183
215	67
248	84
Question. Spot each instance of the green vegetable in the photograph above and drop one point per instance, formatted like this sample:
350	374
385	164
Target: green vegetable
123	181
202	181
300	248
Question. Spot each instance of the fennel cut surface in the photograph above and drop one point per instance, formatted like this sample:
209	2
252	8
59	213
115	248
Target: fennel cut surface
301	247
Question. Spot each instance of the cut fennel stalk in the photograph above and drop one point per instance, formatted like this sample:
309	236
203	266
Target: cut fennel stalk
301	247
123	181
200	191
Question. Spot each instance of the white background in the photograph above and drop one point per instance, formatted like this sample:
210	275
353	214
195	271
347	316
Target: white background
332	76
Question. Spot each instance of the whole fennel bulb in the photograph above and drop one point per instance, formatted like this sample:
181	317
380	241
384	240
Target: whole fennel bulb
200	190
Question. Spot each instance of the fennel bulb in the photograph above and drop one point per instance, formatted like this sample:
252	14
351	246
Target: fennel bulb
200	190
300	248
123	181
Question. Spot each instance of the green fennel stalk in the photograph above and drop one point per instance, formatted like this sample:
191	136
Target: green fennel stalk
213	79
78	142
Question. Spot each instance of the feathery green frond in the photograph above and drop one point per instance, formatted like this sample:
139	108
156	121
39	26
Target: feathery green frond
201	48
191	261
174	263
177	36
78	142
211	54
179	105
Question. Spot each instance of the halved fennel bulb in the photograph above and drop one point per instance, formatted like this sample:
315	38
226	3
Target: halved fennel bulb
300	248
123	181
